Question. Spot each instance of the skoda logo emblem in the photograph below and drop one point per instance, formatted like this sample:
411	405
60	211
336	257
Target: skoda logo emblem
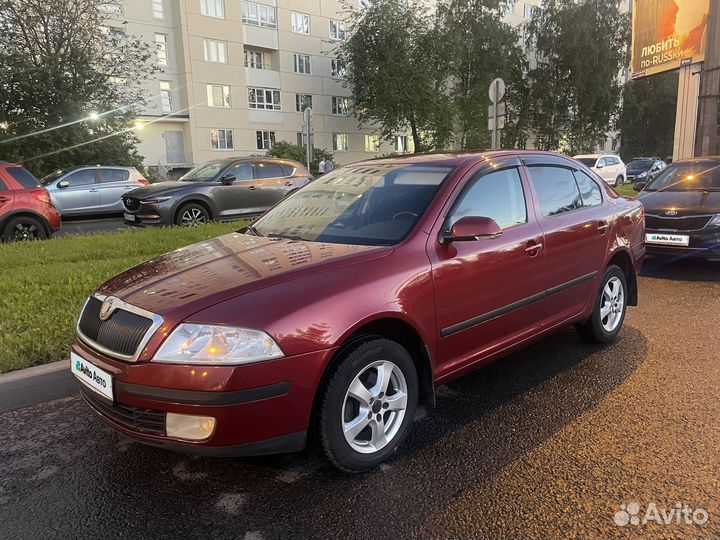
671	213
107	308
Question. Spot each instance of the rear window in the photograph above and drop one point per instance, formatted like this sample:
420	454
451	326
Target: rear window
113	175
23	177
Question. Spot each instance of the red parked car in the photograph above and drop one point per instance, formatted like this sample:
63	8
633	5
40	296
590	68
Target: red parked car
349	302
26	211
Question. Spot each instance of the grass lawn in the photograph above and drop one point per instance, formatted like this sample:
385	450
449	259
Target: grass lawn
626	190
43	285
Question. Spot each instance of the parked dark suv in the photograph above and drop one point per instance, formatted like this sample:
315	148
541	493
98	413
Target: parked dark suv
345	305
222	189
26	211
682	209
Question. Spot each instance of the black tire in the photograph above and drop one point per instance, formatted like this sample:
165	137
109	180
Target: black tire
593	330
23	229
619	181
333	406
192	215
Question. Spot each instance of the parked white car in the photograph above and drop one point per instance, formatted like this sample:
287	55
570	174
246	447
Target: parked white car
608	166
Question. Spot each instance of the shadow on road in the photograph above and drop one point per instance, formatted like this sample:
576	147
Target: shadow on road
685	269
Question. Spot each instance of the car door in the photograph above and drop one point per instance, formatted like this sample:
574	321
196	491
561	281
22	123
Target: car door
603	169
240	197
575	221
80	194
487	292
113	184
273	182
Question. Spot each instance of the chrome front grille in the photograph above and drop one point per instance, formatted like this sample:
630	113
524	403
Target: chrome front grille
122	333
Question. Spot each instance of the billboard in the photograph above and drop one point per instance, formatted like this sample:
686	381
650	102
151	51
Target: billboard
667	34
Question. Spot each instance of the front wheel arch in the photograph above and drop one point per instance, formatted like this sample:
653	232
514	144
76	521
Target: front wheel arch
199	202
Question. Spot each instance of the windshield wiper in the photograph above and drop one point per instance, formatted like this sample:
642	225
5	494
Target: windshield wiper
252	230
285	236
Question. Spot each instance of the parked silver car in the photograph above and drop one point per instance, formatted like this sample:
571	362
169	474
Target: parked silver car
91	189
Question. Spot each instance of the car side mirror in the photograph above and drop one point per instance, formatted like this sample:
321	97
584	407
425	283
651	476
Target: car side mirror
599	166
639	186
472	228
227	180
63	184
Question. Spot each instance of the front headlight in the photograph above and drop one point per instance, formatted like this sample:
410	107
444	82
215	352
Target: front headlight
715	222
642	175
155	200
217	345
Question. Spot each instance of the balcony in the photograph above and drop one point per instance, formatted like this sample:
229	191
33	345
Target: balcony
267	77
260	36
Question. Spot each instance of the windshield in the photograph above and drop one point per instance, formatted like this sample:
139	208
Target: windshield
640	165
588	162
691	176
367	205
206	171
51	177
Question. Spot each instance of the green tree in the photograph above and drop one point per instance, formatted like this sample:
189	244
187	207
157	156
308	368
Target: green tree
283	149
396	73
61	61
647	119
479	46
579	48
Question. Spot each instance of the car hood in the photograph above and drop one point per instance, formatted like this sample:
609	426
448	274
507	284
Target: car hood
161	189
637	170
686	203
198	276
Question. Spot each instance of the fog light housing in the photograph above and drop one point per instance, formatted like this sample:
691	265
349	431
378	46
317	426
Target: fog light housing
189	426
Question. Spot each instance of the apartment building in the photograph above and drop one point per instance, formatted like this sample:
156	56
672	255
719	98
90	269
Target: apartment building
236	75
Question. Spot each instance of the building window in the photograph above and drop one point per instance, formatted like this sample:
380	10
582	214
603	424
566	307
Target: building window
372	143
301	63
301	23
259	15
339	106
255	59
529	10
337	30
340	141
337	68
113	32
265	140
165	97
158	9
510	6
302	102
301	138
215	51
114	10
213	8
162	49
218	95
264	98
401	144
221	139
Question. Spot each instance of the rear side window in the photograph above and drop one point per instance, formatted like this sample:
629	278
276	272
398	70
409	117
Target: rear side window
3	187
82	178
269	170
589	190
288	170
114	175
556	189
498	195
23	177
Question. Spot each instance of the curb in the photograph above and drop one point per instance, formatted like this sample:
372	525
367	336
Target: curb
30	386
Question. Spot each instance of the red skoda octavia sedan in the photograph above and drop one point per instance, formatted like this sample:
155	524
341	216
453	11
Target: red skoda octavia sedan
349	302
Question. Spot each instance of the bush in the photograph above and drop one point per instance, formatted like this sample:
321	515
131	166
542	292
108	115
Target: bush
286	150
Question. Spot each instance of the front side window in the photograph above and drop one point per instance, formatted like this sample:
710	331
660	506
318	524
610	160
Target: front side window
213	8
302	102
340	141
556	189
215	51
339	106
301	63
589	190
242	172
221	139
301	23
264	98
337	30
365	205
162	49
81	178
265	140
259	15
218	95
497	195
166	104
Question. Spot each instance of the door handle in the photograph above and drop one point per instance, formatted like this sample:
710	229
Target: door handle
533	248
252	187
4	199
289	184
602	227
92	191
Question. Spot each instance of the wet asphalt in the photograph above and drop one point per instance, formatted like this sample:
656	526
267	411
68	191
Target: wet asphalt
547	443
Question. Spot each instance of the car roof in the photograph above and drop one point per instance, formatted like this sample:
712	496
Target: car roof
455	158
697	159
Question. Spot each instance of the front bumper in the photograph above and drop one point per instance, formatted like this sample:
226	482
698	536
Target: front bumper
149	215
704	243
259	408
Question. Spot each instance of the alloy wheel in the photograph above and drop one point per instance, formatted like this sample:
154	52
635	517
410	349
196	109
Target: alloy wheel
192	217
24	232
374	407
612	304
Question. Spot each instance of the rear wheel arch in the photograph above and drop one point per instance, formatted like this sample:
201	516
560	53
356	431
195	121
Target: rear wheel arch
25	213
622	259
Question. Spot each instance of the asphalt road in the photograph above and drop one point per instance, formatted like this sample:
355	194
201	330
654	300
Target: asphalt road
75	226
547	443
